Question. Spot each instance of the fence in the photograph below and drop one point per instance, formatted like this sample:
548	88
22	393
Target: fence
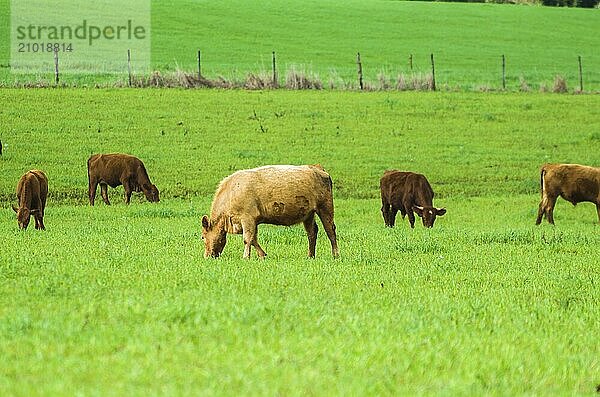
296	80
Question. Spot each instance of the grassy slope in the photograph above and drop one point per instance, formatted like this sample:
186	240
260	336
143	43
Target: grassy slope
468	39
117	300
469	144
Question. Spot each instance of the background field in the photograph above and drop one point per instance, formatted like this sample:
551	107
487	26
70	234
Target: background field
117	300
322	37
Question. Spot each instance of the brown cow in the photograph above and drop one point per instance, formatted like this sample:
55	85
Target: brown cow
573	182
32	191
407	192
119	169
276	195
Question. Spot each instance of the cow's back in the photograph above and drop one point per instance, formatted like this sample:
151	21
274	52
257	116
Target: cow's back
574	182
396	184
33	185
110	167
275	194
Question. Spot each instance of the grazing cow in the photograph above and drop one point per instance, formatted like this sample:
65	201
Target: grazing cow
119	169
276	195
32	191
573	182
409	193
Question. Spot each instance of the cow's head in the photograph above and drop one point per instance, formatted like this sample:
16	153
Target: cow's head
428	214
23	216
214	236
151	193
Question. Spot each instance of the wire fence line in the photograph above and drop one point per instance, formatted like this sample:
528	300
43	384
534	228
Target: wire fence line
412	77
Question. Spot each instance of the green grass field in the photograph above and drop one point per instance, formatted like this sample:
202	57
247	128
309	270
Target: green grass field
119	301
322	37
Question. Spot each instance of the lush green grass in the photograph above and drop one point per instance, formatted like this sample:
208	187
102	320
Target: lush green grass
118	300
468	144
323	37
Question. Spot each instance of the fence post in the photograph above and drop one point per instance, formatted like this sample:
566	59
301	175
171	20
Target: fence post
129	65
56	66
503	72
360	72
0	148
275	84
580	74
410	62
432	74
199	65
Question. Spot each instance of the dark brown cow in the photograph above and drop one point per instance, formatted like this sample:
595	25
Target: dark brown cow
32	191
407	192
119	169
573	182
276	195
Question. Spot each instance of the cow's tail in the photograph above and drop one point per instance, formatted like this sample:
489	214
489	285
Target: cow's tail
88	167
542	184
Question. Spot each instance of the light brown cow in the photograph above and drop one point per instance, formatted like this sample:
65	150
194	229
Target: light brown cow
274	194
119	169
573	182
32	191
408	193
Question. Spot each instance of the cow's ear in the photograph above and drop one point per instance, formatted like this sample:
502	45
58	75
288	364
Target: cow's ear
205	222
15	208
440	211
418	210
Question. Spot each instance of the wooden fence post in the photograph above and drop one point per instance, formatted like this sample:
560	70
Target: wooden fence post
360	72
199	65
580	74
0	148
432	74
129	65
275	84
56	78
410	62
503	72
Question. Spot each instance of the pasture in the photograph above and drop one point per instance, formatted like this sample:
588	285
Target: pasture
119	301
322	38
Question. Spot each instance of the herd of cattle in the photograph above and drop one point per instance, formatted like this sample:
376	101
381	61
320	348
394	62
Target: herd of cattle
288	195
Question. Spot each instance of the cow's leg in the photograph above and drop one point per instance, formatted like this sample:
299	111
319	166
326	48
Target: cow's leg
598	210
39	221
385	211
259	251
411	216
39	216
393	213
549	208
104	193
311	230
128	190
249	232
326	216
541	212
92	187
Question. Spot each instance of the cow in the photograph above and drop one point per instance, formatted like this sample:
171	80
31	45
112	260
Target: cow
573	182
119	169
32	191
407	192
274	194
